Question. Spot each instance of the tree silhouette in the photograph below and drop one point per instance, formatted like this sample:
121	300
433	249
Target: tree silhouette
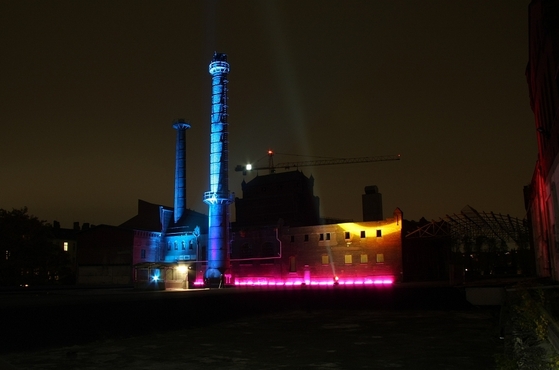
29	256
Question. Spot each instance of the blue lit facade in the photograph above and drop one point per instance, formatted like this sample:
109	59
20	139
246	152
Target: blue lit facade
219	197
168	242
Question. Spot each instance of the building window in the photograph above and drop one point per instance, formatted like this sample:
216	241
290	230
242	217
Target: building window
183	246
65	246
292	265
364	258
143	253
245	251
348	259
380	258
190	247
168	246
267	249
292	238
379	233
176	246
325	259
347	235
327	236
306	237
363	234
321	237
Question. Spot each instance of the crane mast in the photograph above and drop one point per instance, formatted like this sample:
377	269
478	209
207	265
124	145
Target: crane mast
321	162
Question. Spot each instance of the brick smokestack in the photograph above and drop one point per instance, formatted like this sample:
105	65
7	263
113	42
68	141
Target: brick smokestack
219	197
180	169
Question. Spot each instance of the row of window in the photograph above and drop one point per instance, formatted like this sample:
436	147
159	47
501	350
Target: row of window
348	258
147	234
364	234
183	245
66	247
265	250
347	235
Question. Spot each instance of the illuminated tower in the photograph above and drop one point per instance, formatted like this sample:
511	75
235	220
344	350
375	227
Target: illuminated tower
218	198
180	168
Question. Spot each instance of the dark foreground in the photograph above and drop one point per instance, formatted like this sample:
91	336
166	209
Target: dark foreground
348	328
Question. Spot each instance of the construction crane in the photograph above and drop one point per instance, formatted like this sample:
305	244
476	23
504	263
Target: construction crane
320	162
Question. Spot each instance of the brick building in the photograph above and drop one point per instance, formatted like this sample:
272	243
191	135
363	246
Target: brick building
543	82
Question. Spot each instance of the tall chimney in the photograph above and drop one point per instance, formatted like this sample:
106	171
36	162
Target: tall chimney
180	168
218	198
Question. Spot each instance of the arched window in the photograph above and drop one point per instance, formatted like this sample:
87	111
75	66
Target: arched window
292	264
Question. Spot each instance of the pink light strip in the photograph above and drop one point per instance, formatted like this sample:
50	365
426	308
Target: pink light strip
297	282
262	281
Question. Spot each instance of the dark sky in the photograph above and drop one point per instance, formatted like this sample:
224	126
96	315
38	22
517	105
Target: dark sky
90	89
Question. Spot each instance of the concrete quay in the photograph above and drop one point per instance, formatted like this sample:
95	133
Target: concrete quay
401	326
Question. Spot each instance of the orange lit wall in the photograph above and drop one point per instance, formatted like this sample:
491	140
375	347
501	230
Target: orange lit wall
357	251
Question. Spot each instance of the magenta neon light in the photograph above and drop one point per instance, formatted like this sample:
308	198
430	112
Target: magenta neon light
272	282
383	280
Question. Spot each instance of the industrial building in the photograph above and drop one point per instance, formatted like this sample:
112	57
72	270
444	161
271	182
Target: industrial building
155	248
278	237
340	253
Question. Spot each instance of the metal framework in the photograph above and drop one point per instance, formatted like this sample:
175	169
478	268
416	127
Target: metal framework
470	223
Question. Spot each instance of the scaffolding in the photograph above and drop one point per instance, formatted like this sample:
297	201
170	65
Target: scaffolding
470	224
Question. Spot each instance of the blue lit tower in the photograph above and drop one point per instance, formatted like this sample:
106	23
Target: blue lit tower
218	198
180	169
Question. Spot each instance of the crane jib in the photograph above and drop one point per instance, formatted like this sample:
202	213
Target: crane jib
322	162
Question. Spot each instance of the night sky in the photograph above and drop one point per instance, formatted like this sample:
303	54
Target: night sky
90	90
